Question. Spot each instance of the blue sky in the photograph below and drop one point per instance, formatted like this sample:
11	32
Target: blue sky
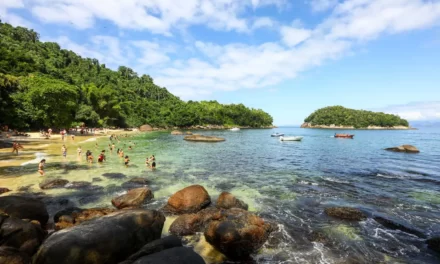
286	57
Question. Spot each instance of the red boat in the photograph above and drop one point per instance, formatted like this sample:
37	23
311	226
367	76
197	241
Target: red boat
344	136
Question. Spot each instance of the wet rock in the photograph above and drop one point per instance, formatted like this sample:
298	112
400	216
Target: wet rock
145	128
78	185
91	213
135	182
53	183
201	138
114	175
176	255
10	255
176	132
24	208
189	224
96	179
109	239
154	247
188	200
23	235
188	133
67	211
74	216
133	198
237	233
4	190
404	148
434	243
345	213
227	200
225	186
395	225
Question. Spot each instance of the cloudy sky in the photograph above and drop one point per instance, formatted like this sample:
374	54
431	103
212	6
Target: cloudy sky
286	57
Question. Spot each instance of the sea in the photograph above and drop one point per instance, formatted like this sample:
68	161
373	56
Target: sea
286	183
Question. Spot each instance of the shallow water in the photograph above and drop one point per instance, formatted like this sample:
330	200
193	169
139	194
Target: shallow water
289	183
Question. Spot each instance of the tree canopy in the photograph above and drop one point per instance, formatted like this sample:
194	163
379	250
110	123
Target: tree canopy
341	116
43	85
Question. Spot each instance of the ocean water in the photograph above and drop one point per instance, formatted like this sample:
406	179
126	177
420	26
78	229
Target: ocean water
288	183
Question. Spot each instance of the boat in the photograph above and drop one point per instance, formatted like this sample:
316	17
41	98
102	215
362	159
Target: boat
344	136
235	129
291	138
277	135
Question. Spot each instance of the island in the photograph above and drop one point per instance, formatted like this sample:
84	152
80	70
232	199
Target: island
43	86
339	117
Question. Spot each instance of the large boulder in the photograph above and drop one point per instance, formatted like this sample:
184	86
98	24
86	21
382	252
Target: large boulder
237	233
10	255
145	128
188	200
176	132
74	216
345	213
434	243
133	198
404	148
201	138
227	200
24	208
23	235
154	247
176	255
189	224
53	183
109	239
397	225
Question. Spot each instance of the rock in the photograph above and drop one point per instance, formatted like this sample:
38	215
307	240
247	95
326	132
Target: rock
434	243
67	211
53	183
404	148
110	239
135	182
96	179
114	175
24	208
91	213
188	200
154	247
189	224
20	234
201	138
237	233
306	125
176	132
345	213
227	200
78	185
188	133
10	255
73	216
133	198
395	225
145	128
4	190
176	255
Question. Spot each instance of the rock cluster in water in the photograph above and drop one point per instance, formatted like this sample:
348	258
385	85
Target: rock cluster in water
404	148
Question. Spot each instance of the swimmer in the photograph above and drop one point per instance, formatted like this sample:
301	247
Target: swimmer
79	150
126	161
41	167
64	150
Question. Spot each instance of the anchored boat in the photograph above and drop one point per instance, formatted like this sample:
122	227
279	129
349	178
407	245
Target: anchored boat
291	138
235	129
344	136
277	135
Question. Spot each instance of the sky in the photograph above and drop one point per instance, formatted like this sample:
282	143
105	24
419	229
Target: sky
288	58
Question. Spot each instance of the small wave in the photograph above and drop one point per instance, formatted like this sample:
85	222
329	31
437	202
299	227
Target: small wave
308	183
335	180
89	140
38	157
388	176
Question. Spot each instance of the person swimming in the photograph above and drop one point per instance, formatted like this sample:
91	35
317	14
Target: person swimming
130	148
126	161
90	158
153	165
41	167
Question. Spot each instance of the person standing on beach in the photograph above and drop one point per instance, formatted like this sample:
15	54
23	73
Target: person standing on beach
64	150
15	147
49	131
41	167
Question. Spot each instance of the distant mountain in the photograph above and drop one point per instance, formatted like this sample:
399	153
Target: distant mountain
427	123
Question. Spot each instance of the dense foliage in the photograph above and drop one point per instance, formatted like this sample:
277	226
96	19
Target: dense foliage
341	116
43	85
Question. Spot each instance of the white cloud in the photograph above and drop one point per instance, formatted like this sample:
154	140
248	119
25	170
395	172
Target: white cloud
294	36
322	5
415	111
263	22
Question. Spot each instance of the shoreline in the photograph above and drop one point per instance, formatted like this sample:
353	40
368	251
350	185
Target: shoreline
308	125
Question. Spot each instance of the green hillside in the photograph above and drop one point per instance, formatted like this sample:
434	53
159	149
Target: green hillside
341	116
43	85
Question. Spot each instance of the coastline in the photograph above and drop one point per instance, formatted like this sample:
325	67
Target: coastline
308	125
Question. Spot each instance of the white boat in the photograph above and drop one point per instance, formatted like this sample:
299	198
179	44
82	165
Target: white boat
277	135
235	129
290	138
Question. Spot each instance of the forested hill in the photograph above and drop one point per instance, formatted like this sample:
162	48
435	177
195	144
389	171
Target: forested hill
341	116
42	85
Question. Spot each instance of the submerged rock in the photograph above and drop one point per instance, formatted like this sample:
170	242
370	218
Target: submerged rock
23	235
96	179
345	213
188	200
24	208
154	247
434	243
114	175
227	200
395	225
78	185
201	138
237	233
404	148
133	198
4	190
176	255
135	182
53	183
10	255
110	239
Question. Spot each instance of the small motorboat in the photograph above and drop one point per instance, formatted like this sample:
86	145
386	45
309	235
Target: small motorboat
277	135
235	129
290	138
344	136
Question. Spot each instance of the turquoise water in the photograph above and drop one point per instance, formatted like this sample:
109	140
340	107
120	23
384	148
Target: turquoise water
289	183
